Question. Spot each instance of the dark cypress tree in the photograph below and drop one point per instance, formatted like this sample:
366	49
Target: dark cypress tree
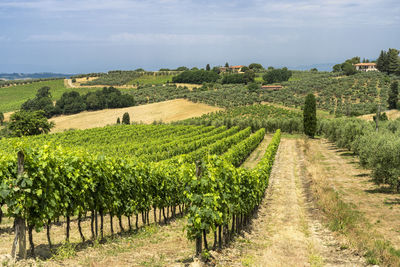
126	119
118	121
208	68
310	116
393	95
392	60
381	61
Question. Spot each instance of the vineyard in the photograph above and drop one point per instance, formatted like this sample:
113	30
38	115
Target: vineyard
129	171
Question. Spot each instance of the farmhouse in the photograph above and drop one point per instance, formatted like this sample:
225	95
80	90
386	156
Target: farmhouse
366	67
236	69
272	87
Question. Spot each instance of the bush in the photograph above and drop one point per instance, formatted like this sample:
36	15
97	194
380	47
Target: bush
126	119
29	123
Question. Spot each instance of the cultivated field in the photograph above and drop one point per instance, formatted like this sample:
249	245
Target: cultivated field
167	111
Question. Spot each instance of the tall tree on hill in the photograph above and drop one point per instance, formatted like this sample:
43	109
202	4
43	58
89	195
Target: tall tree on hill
393	95
126	119
208	68
226	65
381	61
392	60
310	116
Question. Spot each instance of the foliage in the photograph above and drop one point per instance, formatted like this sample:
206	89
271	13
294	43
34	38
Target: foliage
348	68
389	61
108	97
256	67
195	76
310	116
231	78
70	103
277	75
42	101
126	119
393	95
24	123
1	118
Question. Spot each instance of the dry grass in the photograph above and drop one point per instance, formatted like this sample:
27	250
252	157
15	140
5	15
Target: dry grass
353	205
79	81
167	111
151	245
286	231
190	86
257	154
392	115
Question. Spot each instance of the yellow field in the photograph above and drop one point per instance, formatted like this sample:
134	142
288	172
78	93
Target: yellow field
173	110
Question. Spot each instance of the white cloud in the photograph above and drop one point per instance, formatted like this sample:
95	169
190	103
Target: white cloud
59	37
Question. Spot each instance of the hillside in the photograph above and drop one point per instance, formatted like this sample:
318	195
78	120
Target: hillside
167	111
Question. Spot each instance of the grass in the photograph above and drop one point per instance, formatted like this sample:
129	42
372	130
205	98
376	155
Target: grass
345	218
151	79
11	98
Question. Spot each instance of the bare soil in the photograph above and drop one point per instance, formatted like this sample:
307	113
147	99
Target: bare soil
167	111
287	231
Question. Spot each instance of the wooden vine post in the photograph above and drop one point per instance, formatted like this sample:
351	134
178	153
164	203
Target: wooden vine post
20	226
198	238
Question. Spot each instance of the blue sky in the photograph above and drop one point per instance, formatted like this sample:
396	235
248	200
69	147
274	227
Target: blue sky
78	36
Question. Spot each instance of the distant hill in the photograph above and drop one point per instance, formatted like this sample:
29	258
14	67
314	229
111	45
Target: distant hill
40	75
320	67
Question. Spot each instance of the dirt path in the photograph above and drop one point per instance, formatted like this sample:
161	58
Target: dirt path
287	232
257	154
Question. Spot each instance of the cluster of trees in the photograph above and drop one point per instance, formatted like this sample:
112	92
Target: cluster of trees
277	75
243	78
348	66
196	76
72	102
389	61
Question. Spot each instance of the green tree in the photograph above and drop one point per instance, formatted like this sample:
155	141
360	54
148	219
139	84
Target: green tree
381	62
256	67
277	75
310	116
393	95
208	68
24	123
337	68
118	121
226	65
1	118
42	101
393	62
348	68
126	119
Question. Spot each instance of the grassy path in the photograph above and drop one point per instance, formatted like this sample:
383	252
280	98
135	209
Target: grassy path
287	232
257	154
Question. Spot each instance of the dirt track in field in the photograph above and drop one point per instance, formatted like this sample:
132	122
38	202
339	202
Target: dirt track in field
167	111
287	231
257	154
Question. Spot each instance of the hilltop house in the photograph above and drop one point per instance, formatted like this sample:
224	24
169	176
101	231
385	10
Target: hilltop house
366	67
235	69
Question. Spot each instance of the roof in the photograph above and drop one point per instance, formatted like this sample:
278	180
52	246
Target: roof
236	67
365	64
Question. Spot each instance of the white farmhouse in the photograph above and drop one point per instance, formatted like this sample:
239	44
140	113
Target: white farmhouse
366	67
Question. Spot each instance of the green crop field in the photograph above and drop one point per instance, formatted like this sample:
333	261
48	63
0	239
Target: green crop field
11	98
152	79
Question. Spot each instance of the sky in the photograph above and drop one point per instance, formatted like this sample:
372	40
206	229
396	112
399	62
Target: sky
81	36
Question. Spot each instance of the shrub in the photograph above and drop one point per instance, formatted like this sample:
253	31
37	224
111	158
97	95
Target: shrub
125	118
